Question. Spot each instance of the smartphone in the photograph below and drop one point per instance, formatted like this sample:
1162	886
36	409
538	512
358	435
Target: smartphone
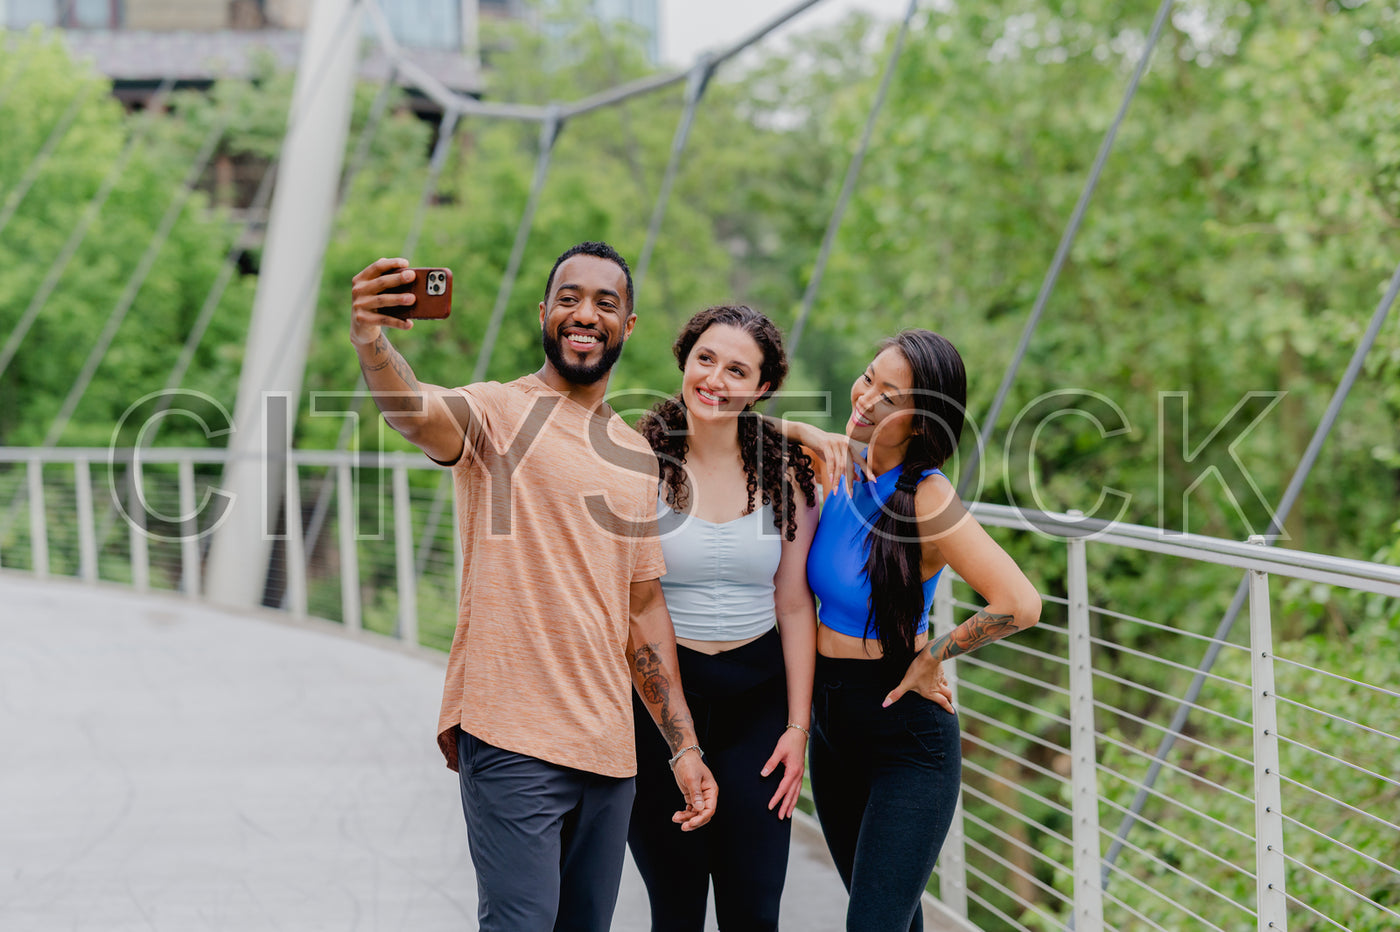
432	290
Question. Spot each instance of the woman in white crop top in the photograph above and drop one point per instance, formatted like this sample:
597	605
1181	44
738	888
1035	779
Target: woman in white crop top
737	511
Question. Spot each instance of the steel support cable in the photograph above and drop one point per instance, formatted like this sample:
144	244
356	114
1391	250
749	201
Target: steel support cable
1018	788
1010	921
362	149
1012	674
257	208
1067	239
1158	626
1321	835
1341	804
848	184
442	148
695	86
996	857
1315	911
1323	713
1136	687
1308	868
1222	632
1023	762
1153	658
1201	816
1317	671
1026	707
134	283
1181	772
1195	742
1036	852
367	135
1201	886
41	158
1153	859
1132	911
549	134
1359	770
70	247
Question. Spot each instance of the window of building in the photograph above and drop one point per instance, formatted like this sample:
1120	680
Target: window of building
69	14
425	24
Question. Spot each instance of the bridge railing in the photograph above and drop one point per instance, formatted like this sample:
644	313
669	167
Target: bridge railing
1120	771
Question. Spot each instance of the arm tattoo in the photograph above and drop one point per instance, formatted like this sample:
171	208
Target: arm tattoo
655	689
382	351
384	356
982	628
405	373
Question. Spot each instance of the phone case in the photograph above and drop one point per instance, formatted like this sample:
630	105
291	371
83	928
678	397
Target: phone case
432	288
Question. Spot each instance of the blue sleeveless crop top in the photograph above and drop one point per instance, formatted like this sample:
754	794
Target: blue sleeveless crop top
836	562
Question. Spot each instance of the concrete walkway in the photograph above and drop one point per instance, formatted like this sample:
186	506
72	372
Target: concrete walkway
167	765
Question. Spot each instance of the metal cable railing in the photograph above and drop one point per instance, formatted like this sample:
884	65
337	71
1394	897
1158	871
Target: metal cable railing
1016	839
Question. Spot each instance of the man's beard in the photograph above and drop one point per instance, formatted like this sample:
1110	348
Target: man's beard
575	374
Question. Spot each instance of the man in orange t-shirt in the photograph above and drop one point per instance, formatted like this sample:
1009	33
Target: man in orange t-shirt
561	612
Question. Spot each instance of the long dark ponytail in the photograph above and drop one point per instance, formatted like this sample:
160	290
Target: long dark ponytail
896	554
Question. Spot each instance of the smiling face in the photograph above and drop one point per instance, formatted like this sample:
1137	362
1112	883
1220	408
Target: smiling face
721	374
882	404
584	320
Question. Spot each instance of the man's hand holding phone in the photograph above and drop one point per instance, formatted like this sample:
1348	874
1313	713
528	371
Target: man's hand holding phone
388	293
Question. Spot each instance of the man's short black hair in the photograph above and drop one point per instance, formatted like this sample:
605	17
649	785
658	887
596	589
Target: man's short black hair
600	250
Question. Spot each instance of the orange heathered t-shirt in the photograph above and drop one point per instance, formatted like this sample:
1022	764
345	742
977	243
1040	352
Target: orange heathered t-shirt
557	509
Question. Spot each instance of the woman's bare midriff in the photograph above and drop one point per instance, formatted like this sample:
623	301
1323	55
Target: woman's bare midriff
715	647
845	647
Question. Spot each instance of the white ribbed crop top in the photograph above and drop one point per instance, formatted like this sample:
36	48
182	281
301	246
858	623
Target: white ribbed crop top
719	577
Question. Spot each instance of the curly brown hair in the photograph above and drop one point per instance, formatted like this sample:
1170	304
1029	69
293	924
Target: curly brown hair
767	456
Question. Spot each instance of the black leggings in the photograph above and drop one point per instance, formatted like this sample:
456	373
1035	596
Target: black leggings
885	783
738	699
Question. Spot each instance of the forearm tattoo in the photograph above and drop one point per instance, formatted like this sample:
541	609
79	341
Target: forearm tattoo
385	356
982	628
382	355
655	689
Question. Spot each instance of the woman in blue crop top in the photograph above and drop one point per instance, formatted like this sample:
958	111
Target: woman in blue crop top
885	756
737	510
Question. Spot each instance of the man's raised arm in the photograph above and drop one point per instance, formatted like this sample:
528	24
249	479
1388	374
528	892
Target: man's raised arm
421	412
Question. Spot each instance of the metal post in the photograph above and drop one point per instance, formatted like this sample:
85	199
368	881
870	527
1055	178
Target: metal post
349	555
294	546
952	860
87	528
189	532
136	528
38	521
1270	868
280	331
1084	783
403	554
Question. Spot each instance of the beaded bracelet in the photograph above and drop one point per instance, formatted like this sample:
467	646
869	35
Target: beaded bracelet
799	728
693	747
